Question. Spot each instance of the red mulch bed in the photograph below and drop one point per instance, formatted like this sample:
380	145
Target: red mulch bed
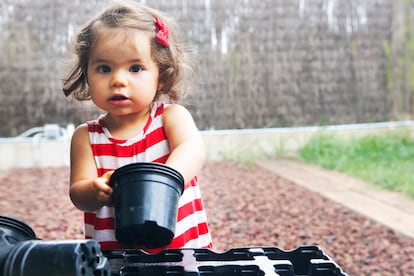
246	206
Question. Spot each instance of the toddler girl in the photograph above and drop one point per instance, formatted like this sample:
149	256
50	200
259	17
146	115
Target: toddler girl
129	58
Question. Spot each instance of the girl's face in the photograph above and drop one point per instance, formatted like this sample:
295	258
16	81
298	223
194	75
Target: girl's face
122	76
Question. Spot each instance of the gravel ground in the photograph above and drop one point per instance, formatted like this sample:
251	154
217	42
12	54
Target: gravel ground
246	206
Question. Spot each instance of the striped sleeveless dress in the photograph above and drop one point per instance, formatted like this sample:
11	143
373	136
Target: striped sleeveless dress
150	145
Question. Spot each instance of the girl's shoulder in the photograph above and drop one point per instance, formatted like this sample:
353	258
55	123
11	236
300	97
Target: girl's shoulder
168	110
176	114
80	133
91	126
81	127
175	108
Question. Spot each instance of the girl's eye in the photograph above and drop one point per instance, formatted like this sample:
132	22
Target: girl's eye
135	68
104	69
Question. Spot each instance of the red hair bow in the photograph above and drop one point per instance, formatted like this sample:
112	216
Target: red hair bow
162	32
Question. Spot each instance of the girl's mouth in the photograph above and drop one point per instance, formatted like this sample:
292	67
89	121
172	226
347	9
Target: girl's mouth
119	100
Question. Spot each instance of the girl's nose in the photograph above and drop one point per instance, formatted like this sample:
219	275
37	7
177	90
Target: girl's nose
119	78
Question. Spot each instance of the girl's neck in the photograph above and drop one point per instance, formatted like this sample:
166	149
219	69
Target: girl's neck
126	126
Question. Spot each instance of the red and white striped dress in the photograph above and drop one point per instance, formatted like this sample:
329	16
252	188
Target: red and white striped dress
150	145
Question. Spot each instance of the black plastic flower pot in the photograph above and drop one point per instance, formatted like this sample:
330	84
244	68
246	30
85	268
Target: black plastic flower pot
145	199
56	258
12	232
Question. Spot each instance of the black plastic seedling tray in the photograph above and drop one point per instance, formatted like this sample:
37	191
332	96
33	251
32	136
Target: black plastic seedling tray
248	261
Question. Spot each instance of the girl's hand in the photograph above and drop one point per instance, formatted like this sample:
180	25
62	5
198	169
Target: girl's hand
104	191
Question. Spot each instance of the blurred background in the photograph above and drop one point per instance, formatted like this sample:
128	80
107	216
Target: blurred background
262	63
271	74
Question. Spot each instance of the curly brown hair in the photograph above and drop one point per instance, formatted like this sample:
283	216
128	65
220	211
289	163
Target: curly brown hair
175	71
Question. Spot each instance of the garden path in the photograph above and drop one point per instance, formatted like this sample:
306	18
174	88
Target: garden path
392	209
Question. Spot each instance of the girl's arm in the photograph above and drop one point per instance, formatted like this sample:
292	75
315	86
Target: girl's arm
88	192
186	144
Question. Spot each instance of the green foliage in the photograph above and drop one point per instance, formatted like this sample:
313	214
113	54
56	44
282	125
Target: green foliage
385	160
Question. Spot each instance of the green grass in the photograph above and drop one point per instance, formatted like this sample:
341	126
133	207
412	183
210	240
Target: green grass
384	160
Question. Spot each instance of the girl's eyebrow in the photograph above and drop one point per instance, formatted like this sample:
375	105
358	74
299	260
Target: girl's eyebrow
98	60
103	60
137	60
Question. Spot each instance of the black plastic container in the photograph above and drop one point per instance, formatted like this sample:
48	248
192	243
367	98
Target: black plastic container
146	202
12	232
22	254
247	261
56	258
